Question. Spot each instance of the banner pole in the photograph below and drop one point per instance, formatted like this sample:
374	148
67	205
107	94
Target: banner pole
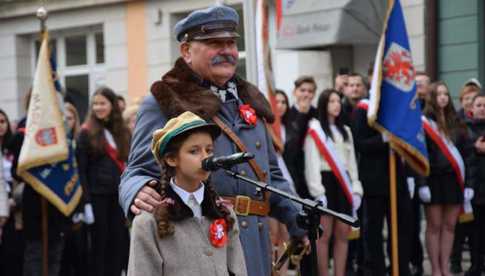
45	238
393	202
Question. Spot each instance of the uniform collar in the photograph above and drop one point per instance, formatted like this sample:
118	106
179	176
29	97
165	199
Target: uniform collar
184	195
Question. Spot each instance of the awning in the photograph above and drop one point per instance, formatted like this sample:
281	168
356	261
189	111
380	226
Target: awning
320	23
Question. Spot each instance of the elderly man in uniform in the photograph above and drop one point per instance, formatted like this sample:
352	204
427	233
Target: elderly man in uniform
203	81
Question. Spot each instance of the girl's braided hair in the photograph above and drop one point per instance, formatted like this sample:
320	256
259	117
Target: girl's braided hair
166	213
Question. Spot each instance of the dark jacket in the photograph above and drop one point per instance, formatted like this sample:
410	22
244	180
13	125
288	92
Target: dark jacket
296	126
373	158
477	130
440	165
31	200
97	171
347	113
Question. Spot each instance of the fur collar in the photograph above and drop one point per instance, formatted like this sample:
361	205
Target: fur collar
179	91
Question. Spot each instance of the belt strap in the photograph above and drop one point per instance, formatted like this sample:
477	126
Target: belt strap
260	174
245	206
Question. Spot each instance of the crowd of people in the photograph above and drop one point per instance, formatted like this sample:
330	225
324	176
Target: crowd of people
341	117
95	245
148	161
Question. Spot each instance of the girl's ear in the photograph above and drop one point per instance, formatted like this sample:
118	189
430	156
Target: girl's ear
171	161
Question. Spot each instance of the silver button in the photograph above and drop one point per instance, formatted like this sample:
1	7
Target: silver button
244	224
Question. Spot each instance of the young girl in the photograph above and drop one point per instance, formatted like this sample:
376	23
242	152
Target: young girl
193	232
445	188
102	150
331	174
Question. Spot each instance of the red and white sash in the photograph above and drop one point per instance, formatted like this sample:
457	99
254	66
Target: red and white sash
447	148
451	153
112	150
327	150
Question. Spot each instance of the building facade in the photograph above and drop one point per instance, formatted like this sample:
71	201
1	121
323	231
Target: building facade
128	44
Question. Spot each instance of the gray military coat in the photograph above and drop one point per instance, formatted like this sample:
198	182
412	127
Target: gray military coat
180	90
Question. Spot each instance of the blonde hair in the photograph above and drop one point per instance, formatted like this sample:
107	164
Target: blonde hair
77	125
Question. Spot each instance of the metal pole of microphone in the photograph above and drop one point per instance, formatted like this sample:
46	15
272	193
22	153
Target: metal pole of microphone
309	218
305	202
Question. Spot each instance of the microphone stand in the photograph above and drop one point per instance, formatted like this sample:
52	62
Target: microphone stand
309	217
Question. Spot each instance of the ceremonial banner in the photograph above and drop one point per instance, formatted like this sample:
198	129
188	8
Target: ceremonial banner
46	160
394	108
264	64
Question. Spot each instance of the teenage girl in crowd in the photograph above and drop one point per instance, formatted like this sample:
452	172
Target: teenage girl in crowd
75	254
477	129
102	150
331	174
444	191
278	231
193	232
11	240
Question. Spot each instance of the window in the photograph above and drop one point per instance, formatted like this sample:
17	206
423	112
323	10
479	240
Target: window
76	50
80	63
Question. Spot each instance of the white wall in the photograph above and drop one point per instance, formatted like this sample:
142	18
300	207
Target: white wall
289	65
414	14
18	34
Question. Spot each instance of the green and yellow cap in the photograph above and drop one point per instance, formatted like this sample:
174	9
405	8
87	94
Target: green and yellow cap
186	121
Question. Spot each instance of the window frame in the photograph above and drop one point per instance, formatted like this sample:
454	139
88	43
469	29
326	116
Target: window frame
96	72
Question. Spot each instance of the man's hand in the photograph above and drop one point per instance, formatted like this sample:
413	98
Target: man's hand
480	145
305	104
146	199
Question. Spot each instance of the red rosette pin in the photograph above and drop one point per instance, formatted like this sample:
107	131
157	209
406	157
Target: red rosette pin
248	114
218	233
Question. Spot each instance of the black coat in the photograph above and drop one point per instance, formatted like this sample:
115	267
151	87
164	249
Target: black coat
296	126
477	130
440	165
373	158
99	174
31	200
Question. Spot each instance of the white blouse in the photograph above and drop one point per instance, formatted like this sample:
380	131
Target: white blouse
315	163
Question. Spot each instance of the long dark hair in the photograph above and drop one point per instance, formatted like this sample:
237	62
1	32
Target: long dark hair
114	124
5	140
449	121
282	93
165	215
322	114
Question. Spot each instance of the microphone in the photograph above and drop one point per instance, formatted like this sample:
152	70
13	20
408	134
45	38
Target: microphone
213	163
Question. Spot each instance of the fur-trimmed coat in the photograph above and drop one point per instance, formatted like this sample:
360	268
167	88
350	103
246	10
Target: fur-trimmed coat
180	90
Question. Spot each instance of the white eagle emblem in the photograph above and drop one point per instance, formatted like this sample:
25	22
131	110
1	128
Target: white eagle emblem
398	69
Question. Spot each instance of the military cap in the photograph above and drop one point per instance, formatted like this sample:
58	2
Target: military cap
186	121
217	21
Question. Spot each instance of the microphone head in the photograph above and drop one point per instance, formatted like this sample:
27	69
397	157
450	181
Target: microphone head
209	165
246	156
213	163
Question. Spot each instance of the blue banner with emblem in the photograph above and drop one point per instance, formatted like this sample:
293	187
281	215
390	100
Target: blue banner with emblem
394	108
47	161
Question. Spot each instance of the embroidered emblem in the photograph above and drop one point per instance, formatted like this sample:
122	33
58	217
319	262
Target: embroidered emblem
248	114
398	68
218	233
